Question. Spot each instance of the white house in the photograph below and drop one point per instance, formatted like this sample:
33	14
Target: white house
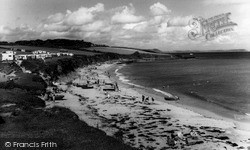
24	55
21	57
67	54
39	54
8	55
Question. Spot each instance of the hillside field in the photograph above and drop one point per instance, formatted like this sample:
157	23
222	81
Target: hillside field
126	51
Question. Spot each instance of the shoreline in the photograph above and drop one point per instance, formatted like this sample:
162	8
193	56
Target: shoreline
141	124
200	108
241	125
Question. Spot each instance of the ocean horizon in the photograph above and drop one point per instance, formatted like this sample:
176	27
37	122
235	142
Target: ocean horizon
221	79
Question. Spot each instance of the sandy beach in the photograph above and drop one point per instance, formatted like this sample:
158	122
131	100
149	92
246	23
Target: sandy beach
151	124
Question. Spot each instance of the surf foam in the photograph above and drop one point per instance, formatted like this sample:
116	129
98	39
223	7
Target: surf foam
164	93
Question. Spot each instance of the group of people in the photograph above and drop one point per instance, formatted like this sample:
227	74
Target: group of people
146	99
176	138
50	96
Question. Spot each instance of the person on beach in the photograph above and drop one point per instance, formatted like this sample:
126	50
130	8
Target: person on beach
53	97
170	141
143	97
193	134
46	96
117	86
152	100
50	96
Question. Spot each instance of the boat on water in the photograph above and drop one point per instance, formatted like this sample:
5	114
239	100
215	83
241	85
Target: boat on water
172	98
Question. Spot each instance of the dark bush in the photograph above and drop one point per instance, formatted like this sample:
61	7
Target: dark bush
1	120
20	98
34	65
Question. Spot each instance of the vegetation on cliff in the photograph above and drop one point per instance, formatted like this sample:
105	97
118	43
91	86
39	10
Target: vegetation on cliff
24	112
55	68
25	118
25	115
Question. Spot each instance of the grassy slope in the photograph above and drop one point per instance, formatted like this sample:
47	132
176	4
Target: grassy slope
125	51
28	118
26	121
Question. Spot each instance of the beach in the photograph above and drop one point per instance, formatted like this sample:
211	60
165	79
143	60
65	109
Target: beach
116	107
219	85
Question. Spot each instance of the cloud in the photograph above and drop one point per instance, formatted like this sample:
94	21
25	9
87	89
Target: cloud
117	26
159	9
160	14
55	18
80	24
179	21
157	20
53	34
141	27
163	28
94	26
126	15
138	27
19	33
83	15
225	2
5	30
223	39
59	27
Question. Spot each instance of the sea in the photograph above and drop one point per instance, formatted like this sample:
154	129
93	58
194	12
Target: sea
215	81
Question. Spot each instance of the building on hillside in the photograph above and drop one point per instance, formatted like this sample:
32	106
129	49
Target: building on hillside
24	56
39	54
67	54
53	54
8	56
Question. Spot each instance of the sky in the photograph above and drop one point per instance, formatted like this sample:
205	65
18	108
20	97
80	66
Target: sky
162	24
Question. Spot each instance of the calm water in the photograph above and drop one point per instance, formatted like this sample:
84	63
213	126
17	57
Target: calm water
221	79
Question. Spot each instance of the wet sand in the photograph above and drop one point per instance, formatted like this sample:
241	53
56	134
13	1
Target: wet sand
146	125
242	121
